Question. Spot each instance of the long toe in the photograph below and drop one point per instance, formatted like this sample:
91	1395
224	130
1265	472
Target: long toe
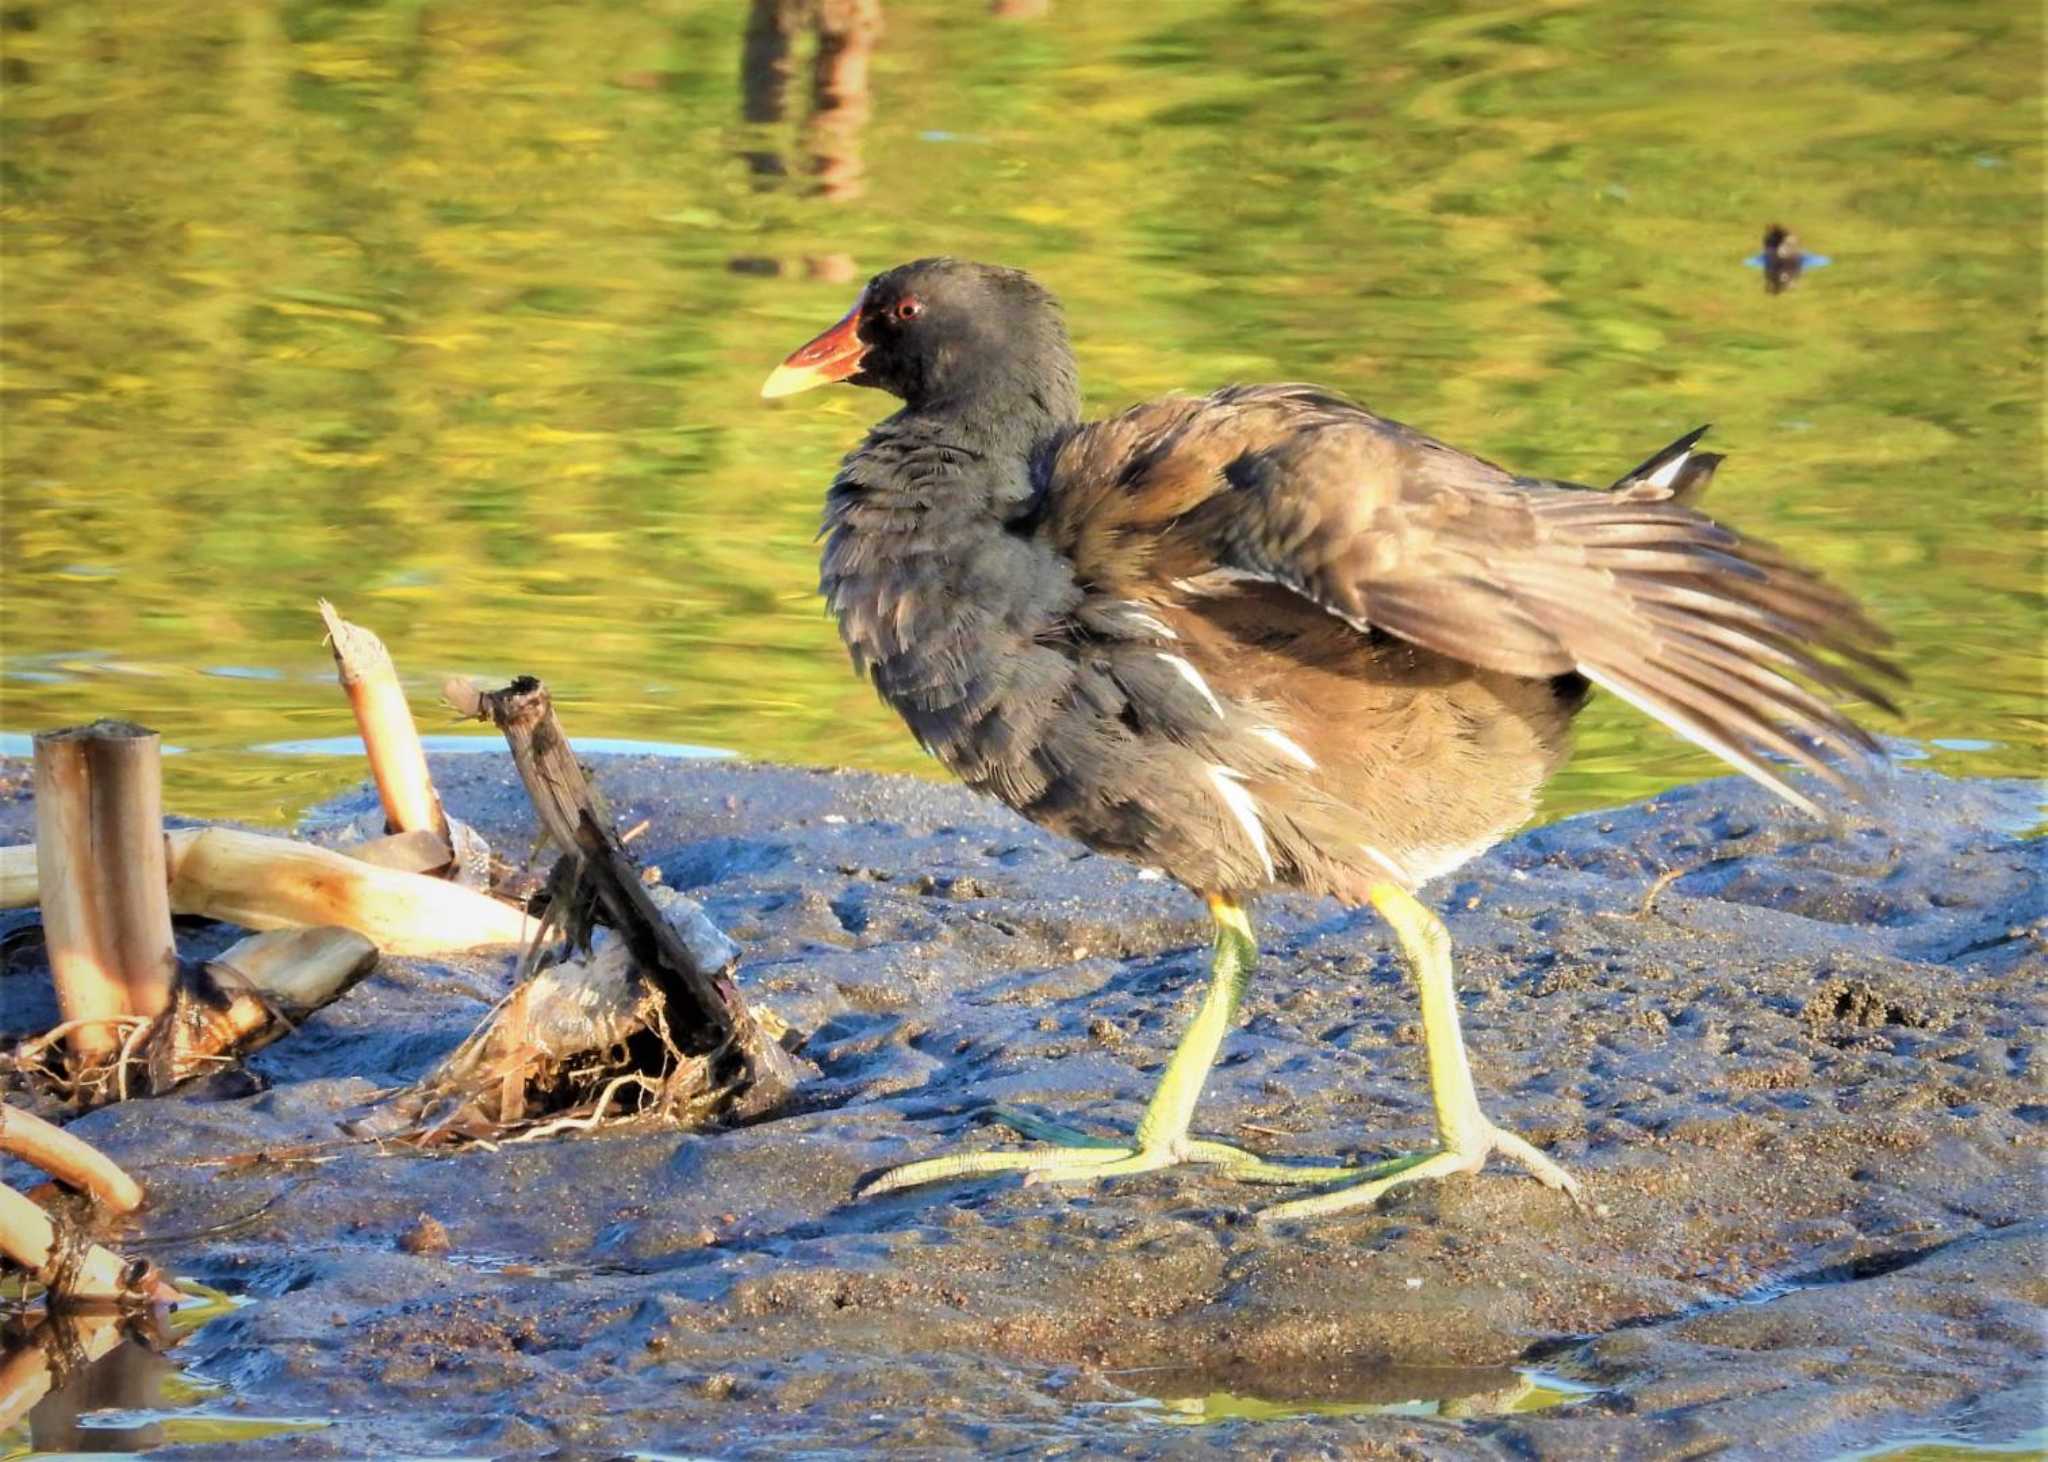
1365	1190
1365	1186
1042	1164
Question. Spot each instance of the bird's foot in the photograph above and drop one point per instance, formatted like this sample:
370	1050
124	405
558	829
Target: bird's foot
1362	1187
1073	1156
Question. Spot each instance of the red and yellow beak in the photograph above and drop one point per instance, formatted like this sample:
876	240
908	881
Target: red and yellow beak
833	356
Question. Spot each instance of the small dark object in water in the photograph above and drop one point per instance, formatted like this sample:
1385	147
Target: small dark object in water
1782	260
1267	640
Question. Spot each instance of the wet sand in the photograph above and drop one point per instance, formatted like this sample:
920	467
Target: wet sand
1802	1089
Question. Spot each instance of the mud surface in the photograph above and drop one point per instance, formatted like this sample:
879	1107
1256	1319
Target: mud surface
1802	1087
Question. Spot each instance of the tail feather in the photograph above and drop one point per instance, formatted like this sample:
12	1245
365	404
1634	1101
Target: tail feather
1676	474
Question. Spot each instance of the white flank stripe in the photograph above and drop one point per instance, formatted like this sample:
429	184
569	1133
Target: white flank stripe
1666	475
1194	677
1229	786
1741	760
1151	624
1400	874
1280	741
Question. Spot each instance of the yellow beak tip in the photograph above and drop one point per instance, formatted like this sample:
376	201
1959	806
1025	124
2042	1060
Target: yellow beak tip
787	381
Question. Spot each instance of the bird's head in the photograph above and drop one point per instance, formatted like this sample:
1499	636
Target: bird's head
940	332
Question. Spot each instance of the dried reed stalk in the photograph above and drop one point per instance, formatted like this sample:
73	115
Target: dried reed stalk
68	1159
391	740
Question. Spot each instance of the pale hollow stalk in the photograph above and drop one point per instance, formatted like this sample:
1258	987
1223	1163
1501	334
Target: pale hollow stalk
263	882
271	981
390	739
68	1159
18	876
106	908
414	852
29	1238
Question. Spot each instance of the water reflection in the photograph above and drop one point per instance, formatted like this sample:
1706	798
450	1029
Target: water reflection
437	312
106	1384
845	32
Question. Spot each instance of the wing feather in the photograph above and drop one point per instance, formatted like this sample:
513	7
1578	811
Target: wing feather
1721	637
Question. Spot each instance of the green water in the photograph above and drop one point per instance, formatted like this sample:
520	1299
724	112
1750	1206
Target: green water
456	314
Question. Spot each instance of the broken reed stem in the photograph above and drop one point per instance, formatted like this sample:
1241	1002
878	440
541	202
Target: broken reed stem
274	883
262	882
269	982
21	888
106	908
68	1159
390	739
74	1270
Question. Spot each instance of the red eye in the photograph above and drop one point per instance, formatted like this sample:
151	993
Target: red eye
909	307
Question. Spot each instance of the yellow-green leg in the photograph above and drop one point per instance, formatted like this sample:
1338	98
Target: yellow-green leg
1162	1138
1465	1138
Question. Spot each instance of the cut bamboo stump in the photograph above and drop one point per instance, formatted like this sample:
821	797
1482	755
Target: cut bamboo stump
106	913
68	1159
390	739
702	1008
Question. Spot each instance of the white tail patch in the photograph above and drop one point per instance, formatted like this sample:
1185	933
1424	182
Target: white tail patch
1230	787
1286	745
1692	731
1194	677
1666	475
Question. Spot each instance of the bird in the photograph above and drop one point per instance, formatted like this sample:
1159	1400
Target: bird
1266	640
1783	260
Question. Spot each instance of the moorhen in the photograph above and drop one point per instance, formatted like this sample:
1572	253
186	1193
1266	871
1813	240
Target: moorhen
1265	639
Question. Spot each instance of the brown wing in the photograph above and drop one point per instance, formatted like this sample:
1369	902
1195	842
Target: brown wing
1709	632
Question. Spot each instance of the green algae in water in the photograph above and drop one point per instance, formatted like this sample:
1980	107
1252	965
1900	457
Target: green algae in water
1447	1393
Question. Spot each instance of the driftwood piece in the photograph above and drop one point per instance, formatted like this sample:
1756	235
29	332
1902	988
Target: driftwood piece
74	1270
106	915
390	739
704	1013
69	1159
